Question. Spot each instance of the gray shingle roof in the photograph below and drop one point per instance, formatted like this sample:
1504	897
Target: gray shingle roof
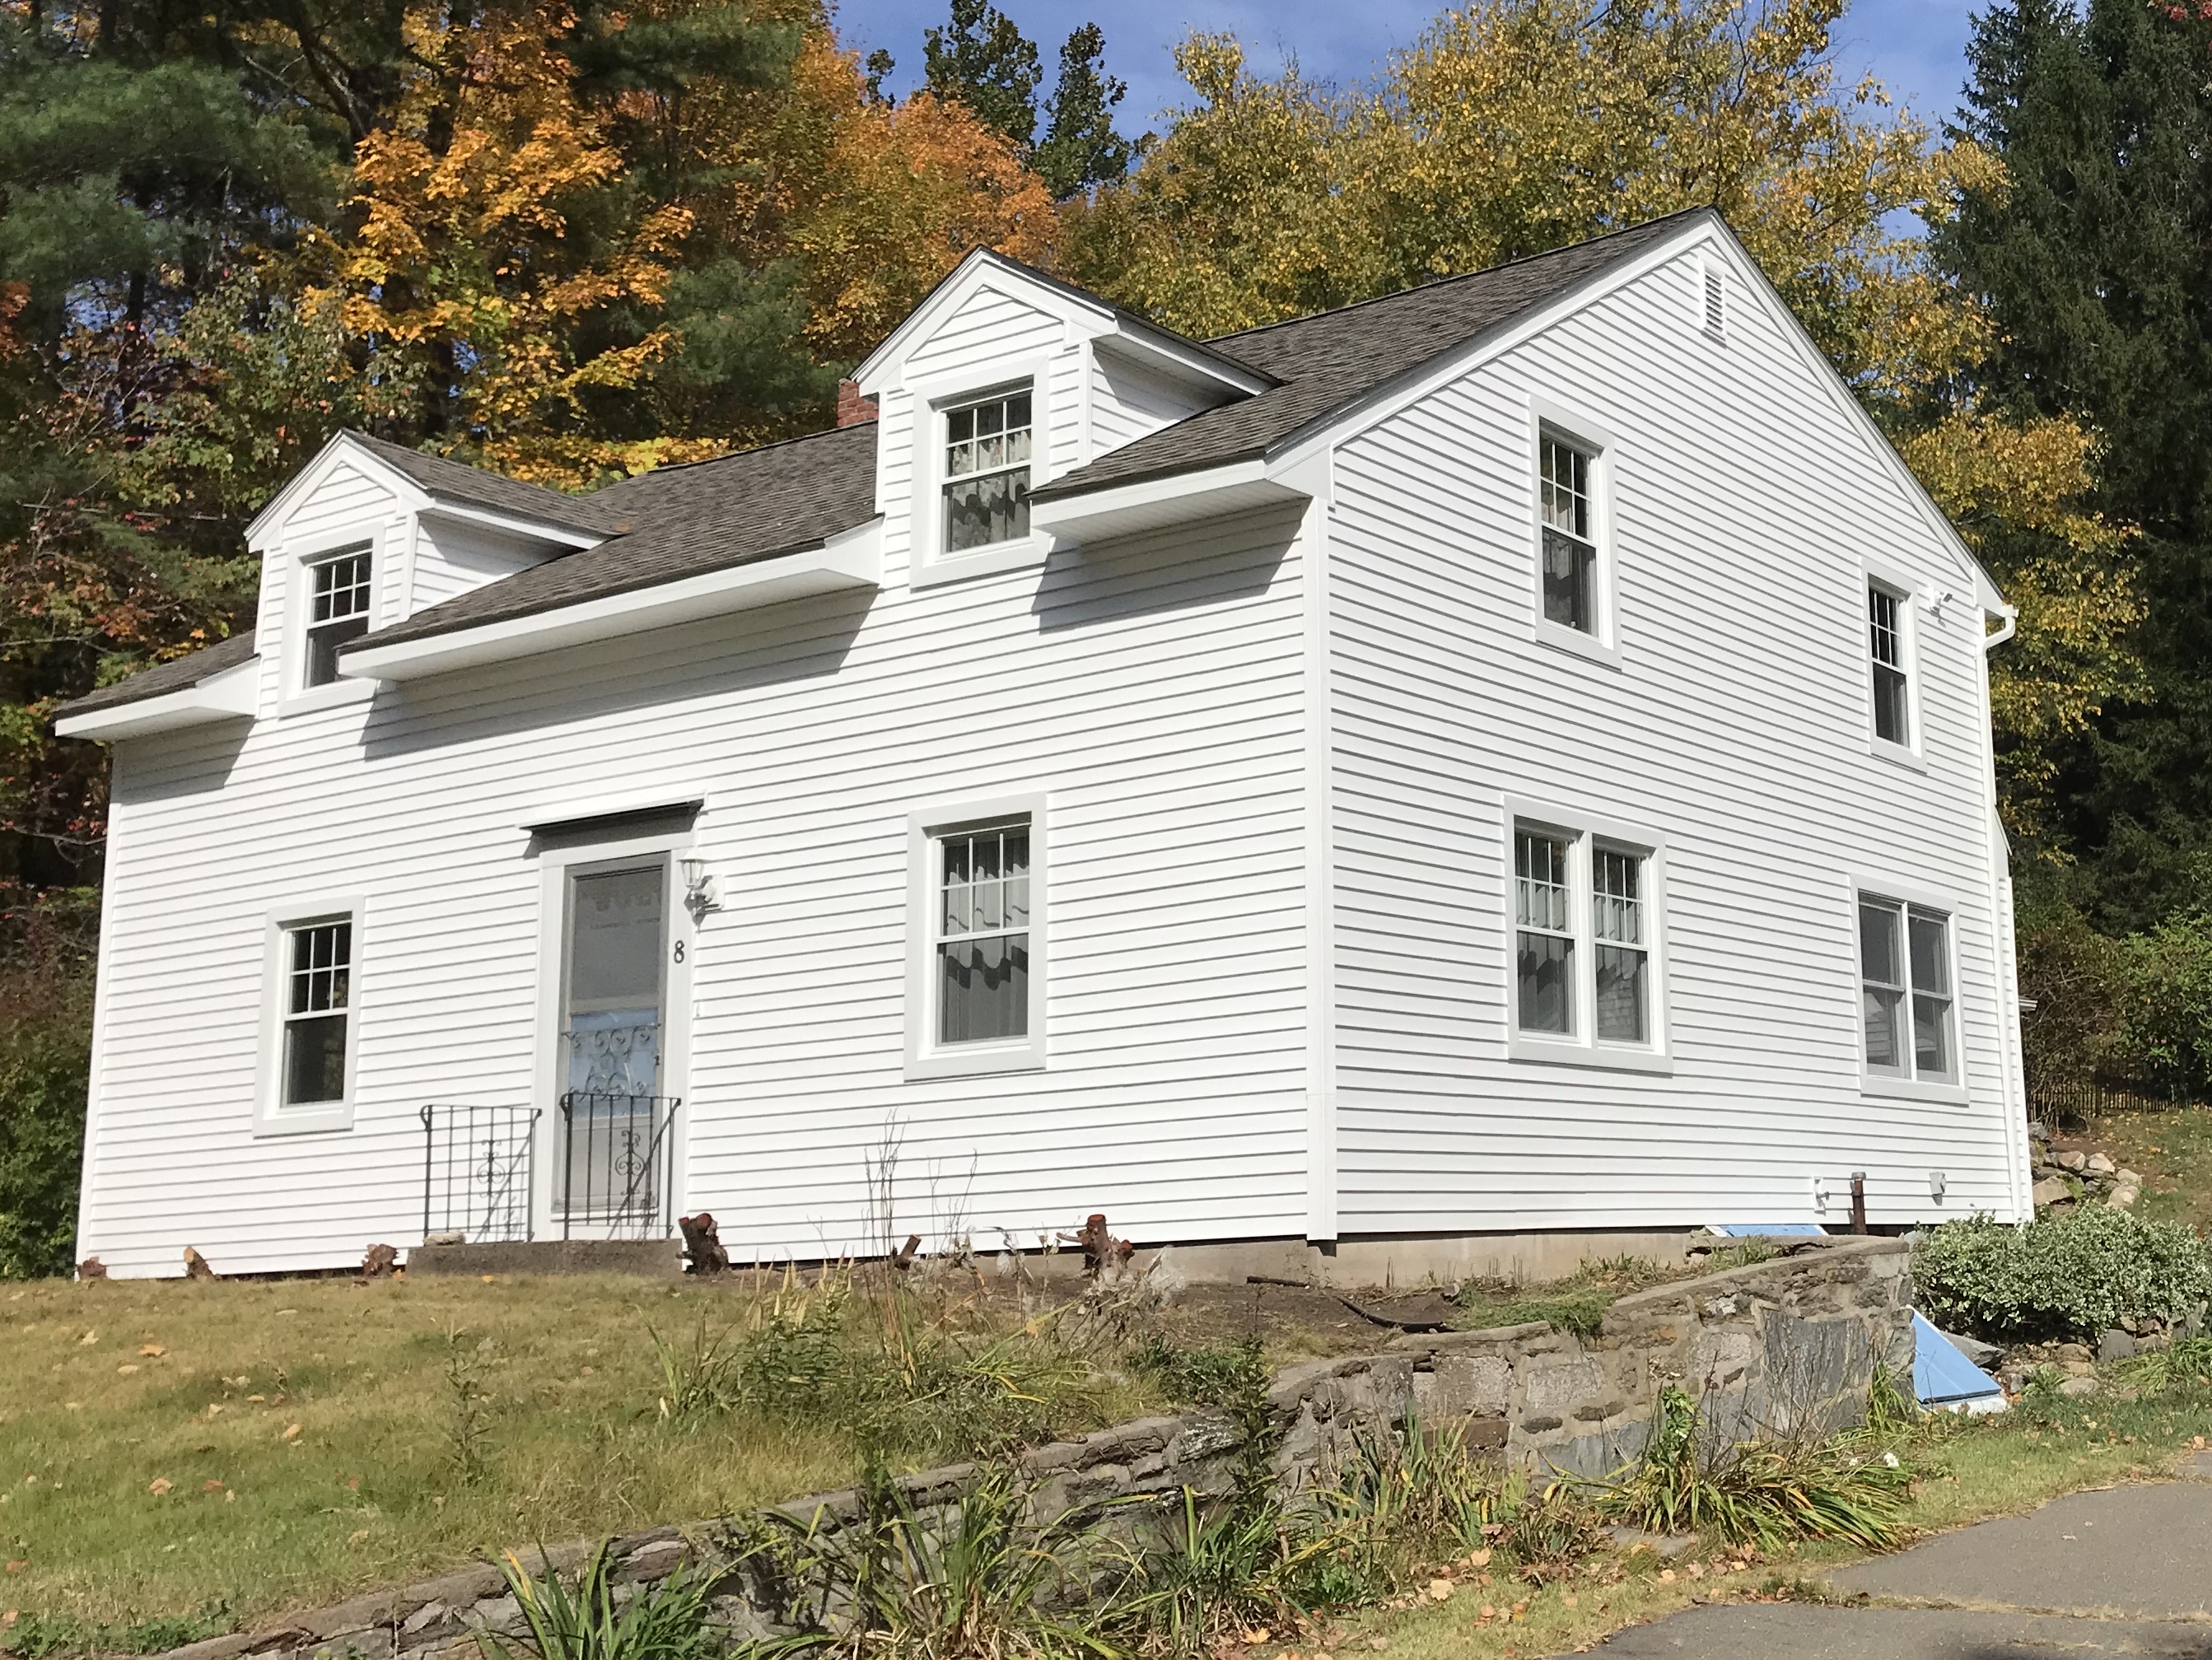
688	520
455	481
783	498
1334	358
173	676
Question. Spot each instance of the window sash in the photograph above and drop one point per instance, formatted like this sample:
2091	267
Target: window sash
317	1001
981	920
1892	719
341	593
987	451
1560	877
1907	1000
1569	576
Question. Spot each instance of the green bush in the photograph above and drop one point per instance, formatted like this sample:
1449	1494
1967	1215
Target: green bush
46	1036
2165	1033
2062	1276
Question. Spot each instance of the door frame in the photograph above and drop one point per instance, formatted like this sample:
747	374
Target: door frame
679	943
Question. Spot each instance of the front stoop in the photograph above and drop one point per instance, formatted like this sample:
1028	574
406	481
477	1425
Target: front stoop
650	1259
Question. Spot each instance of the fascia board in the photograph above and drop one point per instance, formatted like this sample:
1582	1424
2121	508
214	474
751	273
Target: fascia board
1149	503
852	559
525	530
1132	341
309	478
231	695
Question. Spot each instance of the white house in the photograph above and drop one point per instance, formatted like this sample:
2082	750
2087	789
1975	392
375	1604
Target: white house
1475	777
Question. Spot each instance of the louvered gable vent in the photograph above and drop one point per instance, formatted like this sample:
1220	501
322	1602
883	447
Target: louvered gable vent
1715	303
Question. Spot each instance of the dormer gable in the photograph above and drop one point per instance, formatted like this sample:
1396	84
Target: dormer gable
369	534
1003	379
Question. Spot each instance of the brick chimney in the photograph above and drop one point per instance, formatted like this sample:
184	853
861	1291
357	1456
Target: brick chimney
852	407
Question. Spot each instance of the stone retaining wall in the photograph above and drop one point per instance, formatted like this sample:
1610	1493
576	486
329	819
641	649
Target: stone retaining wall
1782	1348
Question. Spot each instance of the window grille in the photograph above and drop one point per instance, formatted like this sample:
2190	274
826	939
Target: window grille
983	934
338	613
1893	709
987	473
1570	574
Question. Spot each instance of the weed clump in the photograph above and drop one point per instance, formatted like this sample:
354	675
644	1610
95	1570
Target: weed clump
666	1621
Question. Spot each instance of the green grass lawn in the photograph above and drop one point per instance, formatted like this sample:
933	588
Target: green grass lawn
213	1454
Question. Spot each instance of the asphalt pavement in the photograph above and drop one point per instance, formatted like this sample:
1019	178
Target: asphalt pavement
2124	1571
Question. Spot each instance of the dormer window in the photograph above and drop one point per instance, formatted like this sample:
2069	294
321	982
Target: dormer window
987	473
339	588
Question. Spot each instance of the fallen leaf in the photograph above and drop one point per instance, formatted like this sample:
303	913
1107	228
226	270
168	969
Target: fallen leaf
587	1372
125	1370
257	1397
72	1405
152	1351
357	1536
160	1485
488	1280
291	1432
1489	1612
18	1565
1665	1576
1440	1590
1696	1571
211	1486
1571	1600
12	1616
1253	1638
215	1409
288	1311
353	1484
230	1496
1481	1559
88	1340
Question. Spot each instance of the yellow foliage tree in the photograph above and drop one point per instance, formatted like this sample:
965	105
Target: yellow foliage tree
1514	126
470	280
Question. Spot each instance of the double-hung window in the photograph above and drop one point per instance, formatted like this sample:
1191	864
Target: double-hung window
981	947
1905	972
338	602
318	1005
1567	497
987	471
1584	942
1887	615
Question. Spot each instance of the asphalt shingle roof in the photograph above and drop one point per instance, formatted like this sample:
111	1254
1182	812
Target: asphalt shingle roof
1334	358
173	676
783	498
687	520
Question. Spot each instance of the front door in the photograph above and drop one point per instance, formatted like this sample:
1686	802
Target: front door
615	1160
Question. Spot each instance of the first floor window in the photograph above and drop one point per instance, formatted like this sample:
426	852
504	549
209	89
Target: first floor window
982	944
1582	937
338	592
317	997
1905	971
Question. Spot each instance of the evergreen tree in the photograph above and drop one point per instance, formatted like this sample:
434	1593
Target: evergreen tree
2093	256
1080	146
980	58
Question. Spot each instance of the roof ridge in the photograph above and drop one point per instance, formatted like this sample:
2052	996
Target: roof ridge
1460	276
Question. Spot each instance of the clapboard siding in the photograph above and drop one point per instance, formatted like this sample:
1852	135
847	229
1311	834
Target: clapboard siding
1154	695
448	559
1734	728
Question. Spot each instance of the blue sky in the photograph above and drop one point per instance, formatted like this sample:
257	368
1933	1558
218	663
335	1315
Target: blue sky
1917	47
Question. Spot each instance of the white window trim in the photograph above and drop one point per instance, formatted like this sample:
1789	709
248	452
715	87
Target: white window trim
294	695
927	563
1582	1047
1557	421
270	1115
924	1057
1907	593
1875	885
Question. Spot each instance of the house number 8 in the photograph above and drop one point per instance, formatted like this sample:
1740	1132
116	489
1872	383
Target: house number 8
679	950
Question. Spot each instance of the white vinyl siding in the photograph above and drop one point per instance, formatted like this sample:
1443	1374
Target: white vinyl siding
1732	726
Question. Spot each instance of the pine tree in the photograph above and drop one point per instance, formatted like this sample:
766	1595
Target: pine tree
980	58
1080	146
2094	257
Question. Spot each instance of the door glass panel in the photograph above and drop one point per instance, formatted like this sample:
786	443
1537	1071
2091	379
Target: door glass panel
613	1017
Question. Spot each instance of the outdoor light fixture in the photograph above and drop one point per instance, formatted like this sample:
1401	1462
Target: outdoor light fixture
698	889
1935	1185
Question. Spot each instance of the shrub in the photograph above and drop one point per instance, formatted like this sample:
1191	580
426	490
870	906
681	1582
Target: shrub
45	1027
2061	1276
666	1621
2165	1033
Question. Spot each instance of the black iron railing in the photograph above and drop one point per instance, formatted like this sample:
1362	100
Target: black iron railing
618	1159
478	1169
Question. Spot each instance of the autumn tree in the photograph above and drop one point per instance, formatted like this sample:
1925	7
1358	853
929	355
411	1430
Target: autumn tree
1515	126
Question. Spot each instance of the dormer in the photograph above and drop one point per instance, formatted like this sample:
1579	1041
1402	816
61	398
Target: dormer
369	534
1002	380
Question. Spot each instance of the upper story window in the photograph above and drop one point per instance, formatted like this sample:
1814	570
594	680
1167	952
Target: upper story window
317	1000
1886	614
982	945
338	590
1905	971
987	471
1584	941
1570	574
